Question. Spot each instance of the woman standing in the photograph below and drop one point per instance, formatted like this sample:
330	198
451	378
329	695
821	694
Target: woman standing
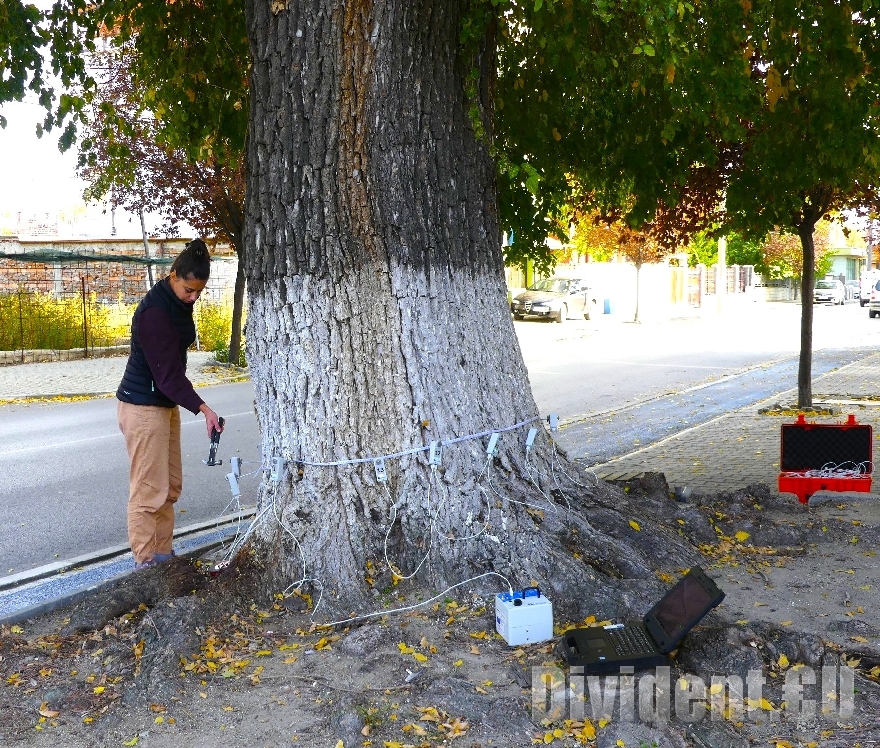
153	386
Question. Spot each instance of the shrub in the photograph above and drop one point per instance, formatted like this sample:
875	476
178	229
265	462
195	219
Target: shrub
214	321
41	321
222	354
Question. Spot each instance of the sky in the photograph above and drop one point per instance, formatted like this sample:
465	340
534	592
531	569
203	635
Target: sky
35	177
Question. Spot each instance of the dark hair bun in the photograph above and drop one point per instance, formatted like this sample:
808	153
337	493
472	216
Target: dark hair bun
197	247
193	262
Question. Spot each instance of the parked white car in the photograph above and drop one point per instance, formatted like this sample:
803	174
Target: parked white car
829	292
866	285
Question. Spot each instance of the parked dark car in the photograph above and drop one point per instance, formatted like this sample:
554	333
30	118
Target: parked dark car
555	298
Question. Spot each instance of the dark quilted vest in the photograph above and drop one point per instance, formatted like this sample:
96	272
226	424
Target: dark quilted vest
137	386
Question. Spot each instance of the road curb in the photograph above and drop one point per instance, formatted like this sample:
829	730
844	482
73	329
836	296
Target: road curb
86	575
113	551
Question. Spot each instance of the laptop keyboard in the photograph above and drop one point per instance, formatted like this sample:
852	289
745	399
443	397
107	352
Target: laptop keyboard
630	640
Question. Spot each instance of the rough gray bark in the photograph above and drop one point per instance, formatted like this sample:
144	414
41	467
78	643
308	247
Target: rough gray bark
378	318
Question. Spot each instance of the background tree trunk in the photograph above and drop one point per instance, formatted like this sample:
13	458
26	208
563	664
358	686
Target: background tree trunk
808	280
237	304
638	278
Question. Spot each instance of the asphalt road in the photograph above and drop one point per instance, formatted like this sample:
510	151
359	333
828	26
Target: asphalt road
582	368
64	474
63	466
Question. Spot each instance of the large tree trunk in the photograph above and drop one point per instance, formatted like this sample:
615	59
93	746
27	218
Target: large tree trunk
808	280
378	318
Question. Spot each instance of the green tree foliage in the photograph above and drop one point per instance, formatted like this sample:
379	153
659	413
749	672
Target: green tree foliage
604	100
21	64
637	102
126	155
778	255
812	140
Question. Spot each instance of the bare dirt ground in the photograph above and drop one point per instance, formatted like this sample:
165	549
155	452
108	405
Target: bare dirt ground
801	594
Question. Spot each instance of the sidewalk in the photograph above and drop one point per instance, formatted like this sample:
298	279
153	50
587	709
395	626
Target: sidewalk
743	447
97	376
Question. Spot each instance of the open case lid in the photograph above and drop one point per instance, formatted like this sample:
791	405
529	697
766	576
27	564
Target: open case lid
682	608
811	446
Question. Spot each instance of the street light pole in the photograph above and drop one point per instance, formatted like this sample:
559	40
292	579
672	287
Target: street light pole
721	273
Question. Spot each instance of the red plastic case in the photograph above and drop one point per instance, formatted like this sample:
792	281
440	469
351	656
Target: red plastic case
811	446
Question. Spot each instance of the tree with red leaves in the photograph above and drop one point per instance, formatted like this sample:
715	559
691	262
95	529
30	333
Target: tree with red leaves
125	154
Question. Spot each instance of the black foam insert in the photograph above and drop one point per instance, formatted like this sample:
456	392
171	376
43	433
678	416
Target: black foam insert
812	446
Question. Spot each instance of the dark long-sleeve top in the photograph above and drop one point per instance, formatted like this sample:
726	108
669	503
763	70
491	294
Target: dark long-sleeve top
160	343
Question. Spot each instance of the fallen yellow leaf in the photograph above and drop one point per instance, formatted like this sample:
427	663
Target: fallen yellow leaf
635	525
742	536
45	711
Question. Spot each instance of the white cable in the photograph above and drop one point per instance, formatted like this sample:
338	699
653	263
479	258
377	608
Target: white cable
834	470
414	450
532	478
418	605
485	525
507	498
286	528
391	526
556	460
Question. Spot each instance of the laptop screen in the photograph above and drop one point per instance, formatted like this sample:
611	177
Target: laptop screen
682	607
685	602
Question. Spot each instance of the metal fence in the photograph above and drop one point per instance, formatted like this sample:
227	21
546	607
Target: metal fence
81	305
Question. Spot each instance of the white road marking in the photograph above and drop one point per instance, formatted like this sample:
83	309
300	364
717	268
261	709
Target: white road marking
117	434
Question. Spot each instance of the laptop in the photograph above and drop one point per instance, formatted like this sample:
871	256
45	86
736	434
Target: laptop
645	644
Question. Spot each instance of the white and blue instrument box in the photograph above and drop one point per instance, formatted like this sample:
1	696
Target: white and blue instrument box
523	617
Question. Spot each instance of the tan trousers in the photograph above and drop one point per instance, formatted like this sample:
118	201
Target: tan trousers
152	437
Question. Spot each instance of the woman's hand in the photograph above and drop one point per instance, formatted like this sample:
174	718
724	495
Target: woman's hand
212	420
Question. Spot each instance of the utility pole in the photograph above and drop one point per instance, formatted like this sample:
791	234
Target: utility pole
150	280
721	273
